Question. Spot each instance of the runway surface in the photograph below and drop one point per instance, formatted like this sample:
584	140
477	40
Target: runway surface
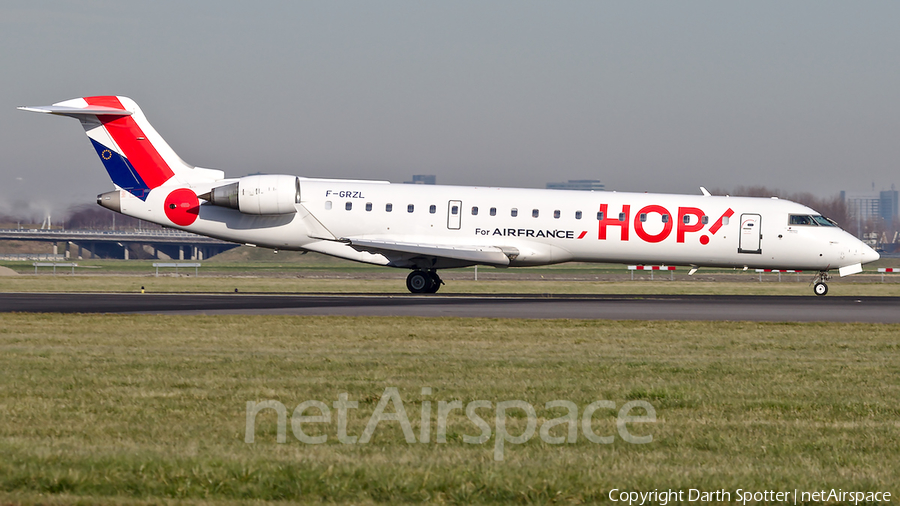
615	307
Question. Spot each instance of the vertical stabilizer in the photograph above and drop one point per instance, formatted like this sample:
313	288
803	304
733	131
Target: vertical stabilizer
133	153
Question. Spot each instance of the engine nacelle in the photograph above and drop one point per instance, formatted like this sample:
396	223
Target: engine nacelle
259	194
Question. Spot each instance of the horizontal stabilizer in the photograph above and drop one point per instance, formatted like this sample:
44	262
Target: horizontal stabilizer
478	254
62	110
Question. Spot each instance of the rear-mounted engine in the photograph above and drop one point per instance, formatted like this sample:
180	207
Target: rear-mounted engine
260	194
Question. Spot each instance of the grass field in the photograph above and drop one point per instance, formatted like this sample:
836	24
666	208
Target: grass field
257	270
148	409
396	284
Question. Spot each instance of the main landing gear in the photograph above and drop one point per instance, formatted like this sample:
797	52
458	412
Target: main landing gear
819	286
420	281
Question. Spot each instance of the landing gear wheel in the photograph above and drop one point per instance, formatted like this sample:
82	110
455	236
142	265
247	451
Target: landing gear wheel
436	282
820	288
419	282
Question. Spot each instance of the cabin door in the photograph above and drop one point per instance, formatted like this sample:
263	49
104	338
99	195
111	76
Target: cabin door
454	214
751	234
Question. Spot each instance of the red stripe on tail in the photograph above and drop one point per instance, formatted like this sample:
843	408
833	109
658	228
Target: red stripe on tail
131	139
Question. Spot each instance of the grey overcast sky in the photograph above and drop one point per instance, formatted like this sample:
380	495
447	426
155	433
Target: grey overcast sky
645	96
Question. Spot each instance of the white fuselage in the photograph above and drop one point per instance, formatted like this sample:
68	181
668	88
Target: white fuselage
426	228
540	226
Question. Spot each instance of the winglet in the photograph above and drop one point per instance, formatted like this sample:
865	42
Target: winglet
705	192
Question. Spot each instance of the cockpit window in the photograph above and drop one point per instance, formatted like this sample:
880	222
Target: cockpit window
811	220
800	219
823	221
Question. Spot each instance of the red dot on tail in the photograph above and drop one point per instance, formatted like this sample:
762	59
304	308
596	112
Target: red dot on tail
704	239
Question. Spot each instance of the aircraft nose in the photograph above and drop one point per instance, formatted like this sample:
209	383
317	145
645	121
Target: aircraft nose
868	254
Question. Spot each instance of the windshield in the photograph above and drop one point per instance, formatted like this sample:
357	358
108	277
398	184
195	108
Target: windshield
811	220
823	221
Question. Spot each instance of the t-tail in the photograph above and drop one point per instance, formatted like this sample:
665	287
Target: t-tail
135	156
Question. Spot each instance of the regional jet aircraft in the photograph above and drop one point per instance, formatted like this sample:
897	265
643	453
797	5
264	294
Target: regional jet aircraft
427	228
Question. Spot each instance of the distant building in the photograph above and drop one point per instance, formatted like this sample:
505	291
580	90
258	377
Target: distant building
422	179
864	206
578	184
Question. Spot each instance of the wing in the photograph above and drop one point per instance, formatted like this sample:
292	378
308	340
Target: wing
404	254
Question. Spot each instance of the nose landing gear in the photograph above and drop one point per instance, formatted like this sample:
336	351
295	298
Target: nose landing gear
420	281
819	286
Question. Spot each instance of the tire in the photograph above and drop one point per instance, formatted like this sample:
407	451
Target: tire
435	282
820	289
418	282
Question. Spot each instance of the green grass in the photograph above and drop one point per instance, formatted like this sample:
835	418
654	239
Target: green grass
257	270
146	409
245	260
394	282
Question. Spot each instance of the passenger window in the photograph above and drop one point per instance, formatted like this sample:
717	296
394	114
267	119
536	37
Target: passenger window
327	205
577	215
475	211
621	216
665	218
534	213
686	219
432	209
493	211
704	220
410	208
368	206
600	216
388	207
348	206
725	220
514	212
556	214
643	217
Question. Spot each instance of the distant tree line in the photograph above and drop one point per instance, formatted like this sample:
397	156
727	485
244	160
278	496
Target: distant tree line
94	217
832	207
80	217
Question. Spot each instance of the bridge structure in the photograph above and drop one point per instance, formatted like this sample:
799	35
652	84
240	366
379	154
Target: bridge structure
163	244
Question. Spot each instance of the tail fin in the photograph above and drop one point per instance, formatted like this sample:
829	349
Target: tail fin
134	154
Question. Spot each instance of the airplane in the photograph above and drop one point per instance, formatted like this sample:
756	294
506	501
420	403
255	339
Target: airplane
425	228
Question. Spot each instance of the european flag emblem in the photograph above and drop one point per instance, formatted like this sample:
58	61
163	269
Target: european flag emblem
121	171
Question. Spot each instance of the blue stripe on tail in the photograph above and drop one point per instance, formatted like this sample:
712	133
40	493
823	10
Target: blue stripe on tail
121	172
